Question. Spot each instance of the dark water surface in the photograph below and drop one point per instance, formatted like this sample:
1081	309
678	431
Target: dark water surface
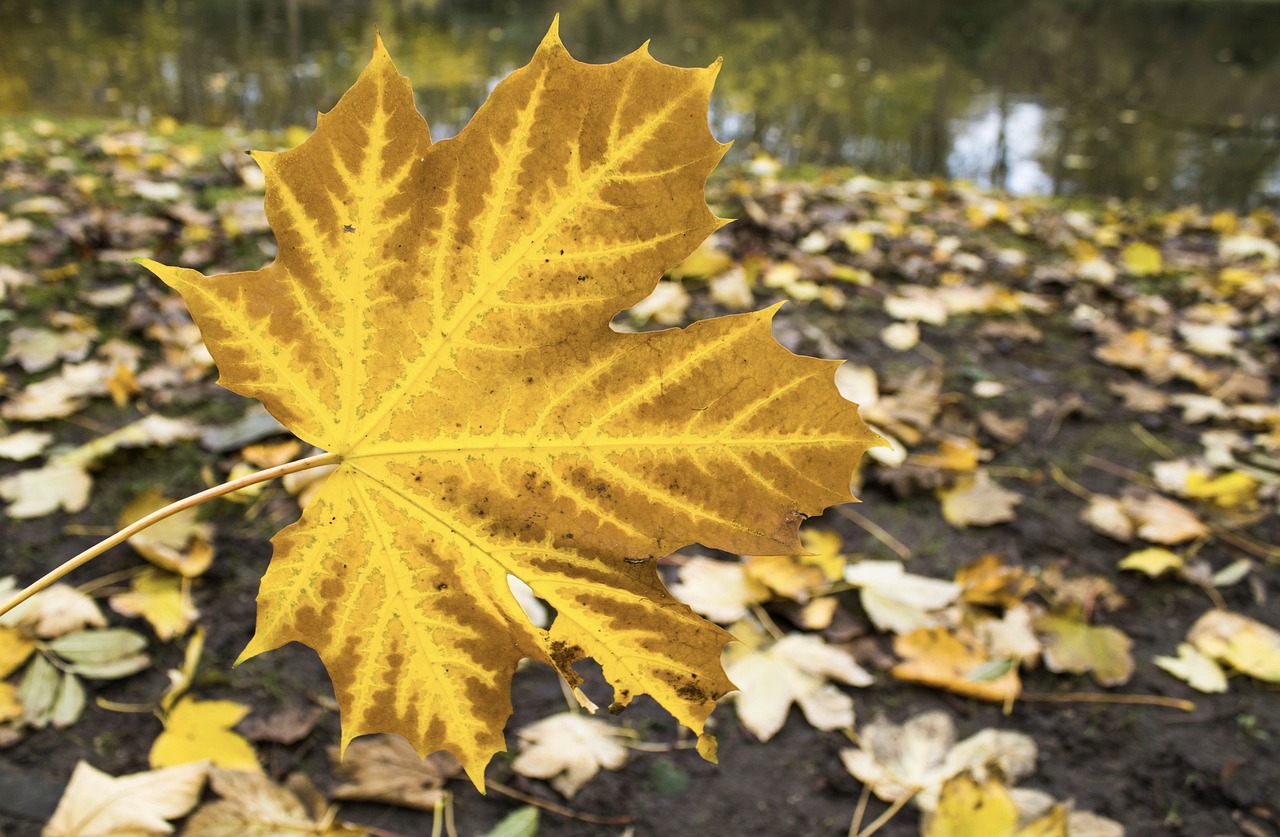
1163	100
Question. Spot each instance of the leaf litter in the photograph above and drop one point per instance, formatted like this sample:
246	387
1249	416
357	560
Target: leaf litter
1190	357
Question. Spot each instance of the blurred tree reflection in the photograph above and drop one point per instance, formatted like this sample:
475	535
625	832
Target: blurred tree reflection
1164	100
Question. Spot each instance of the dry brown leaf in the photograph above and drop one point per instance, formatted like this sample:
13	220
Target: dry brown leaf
386	768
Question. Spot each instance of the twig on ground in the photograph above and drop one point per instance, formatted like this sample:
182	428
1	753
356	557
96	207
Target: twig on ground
876	531
547	805
1104	697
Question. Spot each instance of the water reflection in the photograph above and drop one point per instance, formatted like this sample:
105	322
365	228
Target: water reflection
1171	101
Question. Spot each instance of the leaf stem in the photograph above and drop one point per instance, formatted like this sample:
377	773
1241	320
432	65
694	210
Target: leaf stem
158	515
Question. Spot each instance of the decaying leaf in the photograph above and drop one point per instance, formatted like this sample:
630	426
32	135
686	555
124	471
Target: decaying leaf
386	768
1075	646
917	757
15	647
201	729
568	749
438	318
254	806
140	804
1244	644
795	669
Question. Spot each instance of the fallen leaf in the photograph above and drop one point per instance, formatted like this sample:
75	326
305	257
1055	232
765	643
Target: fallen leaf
967	808
1161	520
936	657
57	610
37	349
569	749
1154	561
288	725
1199	671
161	599
1245	644
918	757
179	543
15	647
386	768
140	804
1108	516
64	481
11	707
422	322
896	600
254	806
24	444
900	336
978	501
722	591
1077	647
795	669
988	580
1229	490
1142	259
201	729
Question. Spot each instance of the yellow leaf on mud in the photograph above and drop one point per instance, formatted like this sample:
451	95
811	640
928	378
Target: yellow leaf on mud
179	543
978	501
254	806
438	318
1242	643
707	262
988	580
936	657
1142	259
385	768
1078	647
15	648
140	804
1154	561
969	809
10	703
1199	671
161	599
1234	488
201	729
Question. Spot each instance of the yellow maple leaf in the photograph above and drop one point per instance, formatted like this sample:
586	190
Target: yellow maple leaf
438	319
197	730
936	657
969	809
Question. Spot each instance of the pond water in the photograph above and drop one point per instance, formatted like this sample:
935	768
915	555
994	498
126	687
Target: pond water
1166	101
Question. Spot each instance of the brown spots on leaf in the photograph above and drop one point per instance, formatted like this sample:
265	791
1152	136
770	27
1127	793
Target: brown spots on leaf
564	655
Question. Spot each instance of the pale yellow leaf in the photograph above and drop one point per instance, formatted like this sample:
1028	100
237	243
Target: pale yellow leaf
138	805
